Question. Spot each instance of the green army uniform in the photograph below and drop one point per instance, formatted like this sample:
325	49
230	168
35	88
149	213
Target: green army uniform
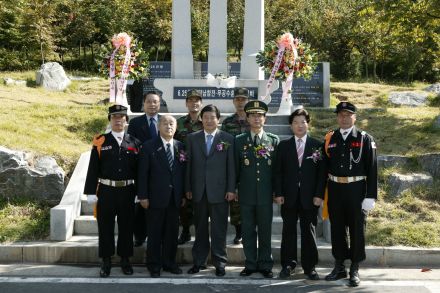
184	127
235	126
254	173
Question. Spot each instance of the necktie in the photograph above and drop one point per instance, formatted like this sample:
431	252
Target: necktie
256	140
208	143
153	130
300	150
169	155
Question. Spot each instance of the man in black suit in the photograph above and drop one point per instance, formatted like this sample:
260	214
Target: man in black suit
299	188
144	128
210	183
160	190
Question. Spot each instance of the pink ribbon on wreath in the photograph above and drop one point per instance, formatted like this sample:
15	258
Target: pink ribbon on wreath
118	85
275	68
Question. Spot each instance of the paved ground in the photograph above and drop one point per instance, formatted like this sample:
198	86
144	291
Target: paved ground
17	278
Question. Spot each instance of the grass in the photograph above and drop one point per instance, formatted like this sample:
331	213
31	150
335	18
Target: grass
23	220
62	124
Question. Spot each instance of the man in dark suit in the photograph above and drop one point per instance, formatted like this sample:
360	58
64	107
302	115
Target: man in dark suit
210	183
110	182
160	190
144	128
299	188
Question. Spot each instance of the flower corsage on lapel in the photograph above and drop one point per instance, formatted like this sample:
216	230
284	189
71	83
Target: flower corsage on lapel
183	157
316	155
222	146
263	151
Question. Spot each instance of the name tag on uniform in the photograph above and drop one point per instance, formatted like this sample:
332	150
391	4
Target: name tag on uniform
356	144
109	147
332	145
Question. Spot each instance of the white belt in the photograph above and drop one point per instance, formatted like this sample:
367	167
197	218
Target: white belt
116	183
346	179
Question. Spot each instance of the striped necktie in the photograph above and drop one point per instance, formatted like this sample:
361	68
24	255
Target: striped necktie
169	156
208	143
300	151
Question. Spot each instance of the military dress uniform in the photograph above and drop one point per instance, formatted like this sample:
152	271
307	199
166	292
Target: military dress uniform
254	162
235	126
186	126
352	177
111	176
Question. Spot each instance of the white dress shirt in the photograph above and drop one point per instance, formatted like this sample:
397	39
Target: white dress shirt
346	131
119	136
171	142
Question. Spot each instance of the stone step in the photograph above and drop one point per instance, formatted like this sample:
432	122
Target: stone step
87	225
87	209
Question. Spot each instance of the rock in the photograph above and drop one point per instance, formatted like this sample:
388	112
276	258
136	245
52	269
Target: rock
387	161
413	99
10	81
52	76
400	182
430	163
433	88
23	176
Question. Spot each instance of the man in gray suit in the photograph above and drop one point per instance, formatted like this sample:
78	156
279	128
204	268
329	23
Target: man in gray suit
210	183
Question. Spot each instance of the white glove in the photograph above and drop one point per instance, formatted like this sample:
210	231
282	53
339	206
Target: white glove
368	204
91	198
136	199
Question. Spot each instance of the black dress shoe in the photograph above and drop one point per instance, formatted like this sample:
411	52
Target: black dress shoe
194	270
106	267
174	270
155	274
286	272
126	267
247	272
354	280
337	273
237	238
267	273
183	238
220	272
312	275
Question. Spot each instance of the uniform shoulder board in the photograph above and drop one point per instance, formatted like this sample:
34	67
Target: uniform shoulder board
271	135
363	132
241	135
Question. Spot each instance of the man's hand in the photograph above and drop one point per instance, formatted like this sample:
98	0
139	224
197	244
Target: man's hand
317	201
189	195
368	204
145	203
91	198
230	196
279	200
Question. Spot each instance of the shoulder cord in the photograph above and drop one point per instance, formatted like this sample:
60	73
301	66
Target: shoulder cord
360	151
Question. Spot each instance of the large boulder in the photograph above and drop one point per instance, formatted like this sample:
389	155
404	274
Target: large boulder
387	161
413	99
52	76
433	88
430	163
399	182
23	175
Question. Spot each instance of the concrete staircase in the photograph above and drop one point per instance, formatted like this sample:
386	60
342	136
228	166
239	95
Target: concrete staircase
84	227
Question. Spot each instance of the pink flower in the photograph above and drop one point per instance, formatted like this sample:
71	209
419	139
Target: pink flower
182	156
121	39
286	41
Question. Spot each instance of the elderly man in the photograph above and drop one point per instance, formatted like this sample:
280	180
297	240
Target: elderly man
351	159
110	181
160	190
144	128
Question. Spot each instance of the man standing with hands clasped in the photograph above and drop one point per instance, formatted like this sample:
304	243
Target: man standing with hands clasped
160	190
210	183
350	154
299	189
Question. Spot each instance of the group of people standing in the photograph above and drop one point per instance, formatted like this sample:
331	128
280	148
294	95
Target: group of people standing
163	169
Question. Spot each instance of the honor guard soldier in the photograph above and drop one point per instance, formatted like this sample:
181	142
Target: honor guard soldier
237	124
350	154
254	158
185	125
110	183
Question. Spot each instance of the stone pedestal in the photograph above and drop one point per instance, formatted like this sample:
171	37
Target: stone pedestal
217	55
253	40
181	53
